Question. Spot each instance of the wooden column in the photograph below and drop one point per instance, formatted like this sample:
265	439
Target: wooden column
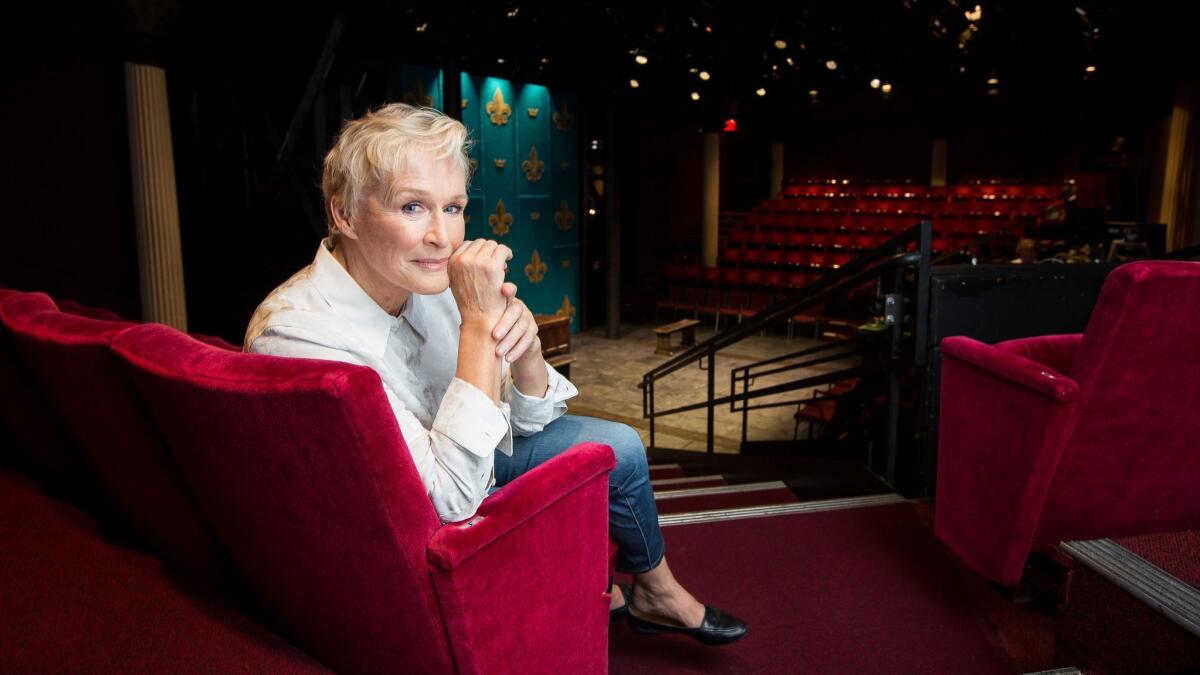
155	205
711	196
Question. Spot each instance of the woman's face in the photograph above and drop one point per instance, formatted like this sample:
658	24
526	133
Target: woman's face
406	243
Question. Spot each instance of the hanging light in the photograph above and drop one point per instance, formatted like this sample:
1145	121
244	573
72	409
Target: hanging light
761	91
992	81
886	88
875	83
1090	69
641	59
633	84
831	64
695	96
780	44
704	75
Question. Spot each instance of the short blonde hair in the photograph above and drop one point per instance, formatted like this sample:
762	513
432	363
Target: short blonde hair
373	148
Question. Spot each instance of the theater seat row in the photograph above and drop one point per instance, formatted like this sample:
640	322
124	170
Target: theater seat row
288	477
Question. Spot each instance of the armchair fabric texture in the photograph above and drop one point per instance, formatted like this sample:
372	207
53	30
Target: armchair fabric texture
1062	437
301	469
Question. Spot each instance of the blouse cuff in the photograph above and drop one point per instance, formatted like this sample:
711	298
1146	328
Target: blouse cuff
470	419
541	410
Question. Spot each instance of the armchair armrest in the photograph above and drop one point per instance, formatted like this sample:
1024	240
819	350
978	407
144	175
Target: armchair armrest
1056	351
523	583
526	496
1011	365
1000	440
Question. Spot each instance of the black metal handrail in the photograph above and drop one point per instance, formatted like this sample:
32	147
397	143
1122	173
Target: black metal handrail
891	256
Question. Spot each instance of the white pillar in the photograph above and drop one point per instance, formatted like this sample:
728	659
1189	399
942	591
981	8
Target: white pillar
155	205
937	167
776	170
710	207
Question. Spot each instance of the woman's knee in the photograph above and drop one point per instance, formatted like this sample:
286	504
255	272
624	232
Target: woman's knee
627	448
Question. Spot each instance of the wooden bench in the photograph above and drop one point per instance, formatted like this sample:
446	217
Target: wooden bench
555	333
687	329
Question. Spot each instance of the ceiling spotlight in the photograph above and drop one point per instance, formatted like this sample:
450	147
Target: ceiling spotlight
422	28
780	44
875	83
591	212
693	70
641	59
695	96
993	81
886	88
812	93
790	62
634	84
761	91
831	64
708	29
1090	69
500	61
514	12
704	75
975	15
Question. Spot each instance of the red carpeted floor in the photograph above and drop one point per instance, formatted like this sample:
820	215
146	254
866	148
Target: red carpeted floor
72	602
865	590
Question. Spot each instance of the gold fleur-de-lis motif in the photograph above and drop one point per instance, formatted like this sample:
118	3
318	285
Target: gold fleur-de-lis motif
535	215
563	217
466	219
566	264
500	162
418	95
497	109
474	165
535	271
501	220
566	310
533	113
563	118
464	104
533	167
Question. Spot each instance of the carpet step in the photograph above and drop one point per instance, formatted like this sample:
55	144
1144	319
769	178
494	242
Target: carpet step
687	482
769	510
666	471
775	493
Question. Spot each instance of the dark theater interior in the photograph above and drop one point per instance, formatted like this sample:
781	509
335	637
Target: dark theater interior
812	337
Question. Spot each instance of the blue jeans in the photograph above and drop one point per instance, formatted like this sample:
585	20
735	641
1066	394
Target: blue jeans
632	516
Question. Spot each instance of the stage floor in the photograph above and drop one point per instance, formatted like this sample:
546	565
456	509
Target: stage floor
607	373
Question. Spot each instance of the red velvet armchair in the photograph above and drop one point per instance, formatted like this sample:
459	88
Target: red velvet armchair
1062	437
301	469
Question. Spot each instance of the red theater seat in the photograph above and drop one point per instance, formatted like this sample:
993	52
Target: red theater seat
1062	437
103	415
39	439
301	469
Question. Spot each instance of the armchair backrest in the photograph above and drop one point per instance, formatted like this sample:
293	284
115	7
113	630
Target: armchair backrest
1132	444
70	359
300	466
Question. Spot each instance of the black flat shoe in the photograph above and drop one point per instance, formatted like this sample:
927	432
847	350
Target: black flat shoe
717	628
622	611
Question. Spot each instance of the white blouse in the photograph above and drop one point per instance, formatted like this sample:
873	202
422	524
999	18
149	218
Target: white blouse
451	427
